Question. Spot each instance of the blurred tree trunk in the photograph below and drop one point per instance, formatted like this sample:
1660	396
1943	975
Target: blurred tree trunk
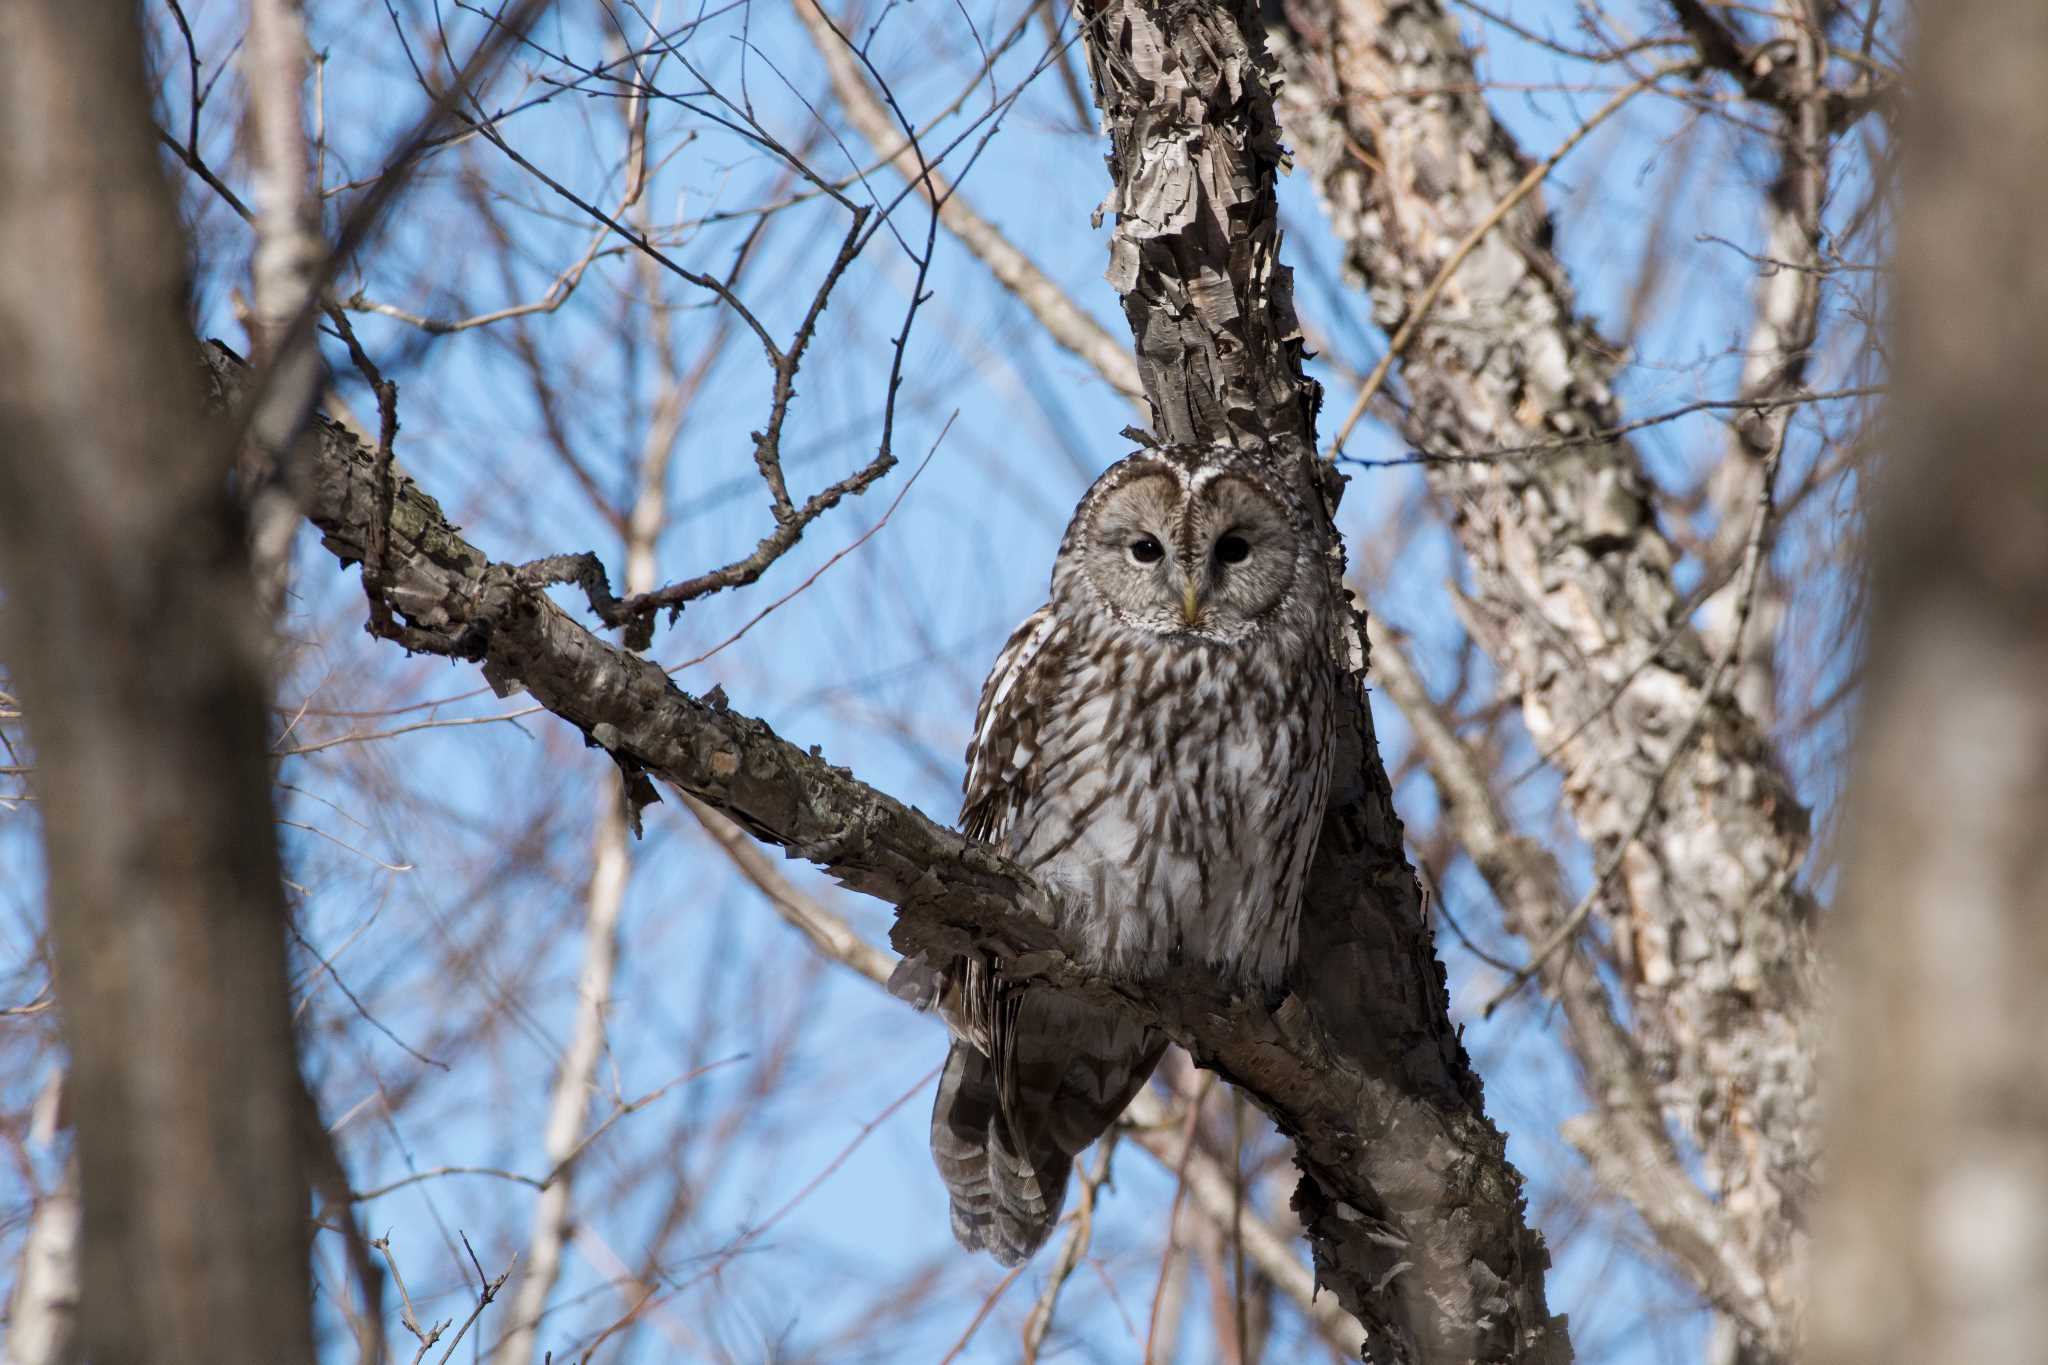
132	630
1935	1243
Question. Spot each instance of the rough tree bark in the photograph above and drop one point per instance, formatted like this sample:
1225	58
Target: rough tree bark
1935	1241
133	632
1696	831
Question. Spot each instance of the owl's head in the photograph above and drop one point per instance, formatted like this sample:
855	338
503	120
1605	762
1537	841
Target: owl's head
1187	541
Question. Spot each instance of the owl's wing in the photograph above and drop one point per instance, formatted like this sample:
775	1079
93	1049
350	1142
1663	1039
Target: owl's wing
999	763
1006	724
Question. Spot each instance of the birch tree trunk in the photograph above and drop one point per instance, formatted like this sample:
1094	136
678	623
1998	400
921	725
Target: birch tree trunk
1935	1246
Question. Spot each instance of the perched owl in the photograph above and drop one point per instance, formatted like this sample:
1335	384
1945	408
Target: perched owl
1153	744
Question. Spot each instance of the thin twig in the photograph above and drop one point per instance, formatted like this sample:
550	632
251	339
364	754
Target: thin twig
855	544
1609	435
1180	1189
981	1314
1072	1251
488	1291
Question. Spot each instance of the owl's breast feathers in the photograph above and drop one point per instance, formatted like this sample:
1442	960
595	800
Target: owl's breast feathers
1167	785
1169	789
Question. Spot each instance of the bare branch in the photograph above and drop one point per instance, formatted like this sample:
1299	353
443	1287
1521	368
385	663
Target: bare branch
1766	77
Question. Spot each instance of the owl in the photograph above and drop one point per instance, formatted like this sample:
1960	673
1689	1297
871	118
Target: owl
1154	746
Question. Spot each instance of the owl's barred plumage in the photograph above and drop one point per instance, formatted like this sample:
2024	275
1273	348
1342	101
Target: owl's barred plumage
1154	744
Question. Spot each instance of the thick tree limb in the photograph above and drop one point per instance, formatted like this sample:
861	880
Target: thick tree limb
1186	96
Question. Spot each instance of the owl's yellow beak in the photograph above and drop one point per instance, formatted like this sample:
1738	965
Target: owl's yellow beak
1191	603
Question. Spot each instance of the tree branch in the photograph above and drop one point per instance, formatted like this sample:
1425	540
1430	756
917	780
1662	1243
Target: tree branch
1766	77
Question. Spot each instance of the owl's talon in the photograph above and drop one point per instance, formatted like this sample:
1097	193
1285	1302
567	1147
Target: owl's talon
830	849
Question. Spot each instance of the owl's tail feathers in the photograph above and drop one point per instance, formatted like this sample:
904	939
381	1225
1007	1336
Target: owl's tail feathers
1005	1135
1006	1197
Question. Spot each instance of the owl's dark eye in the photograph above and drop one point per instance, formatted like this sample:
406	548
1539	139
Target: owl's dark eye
1233	549
1147	550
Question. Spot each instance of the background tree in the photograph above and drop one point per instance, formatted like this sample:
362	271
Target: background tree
1933	1248
1613	730
133	635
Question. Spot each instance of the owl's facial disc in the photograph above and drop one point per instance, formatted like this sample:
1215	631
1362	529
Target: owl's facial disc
1210	566
1242	547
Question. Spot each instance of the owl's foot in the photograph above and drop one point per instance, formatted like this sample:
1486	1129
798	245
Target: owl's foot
831	849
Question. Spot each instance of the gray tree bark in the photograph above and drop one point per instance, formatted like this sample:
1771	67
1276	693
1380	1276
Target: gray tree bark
133	633
1935	1241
